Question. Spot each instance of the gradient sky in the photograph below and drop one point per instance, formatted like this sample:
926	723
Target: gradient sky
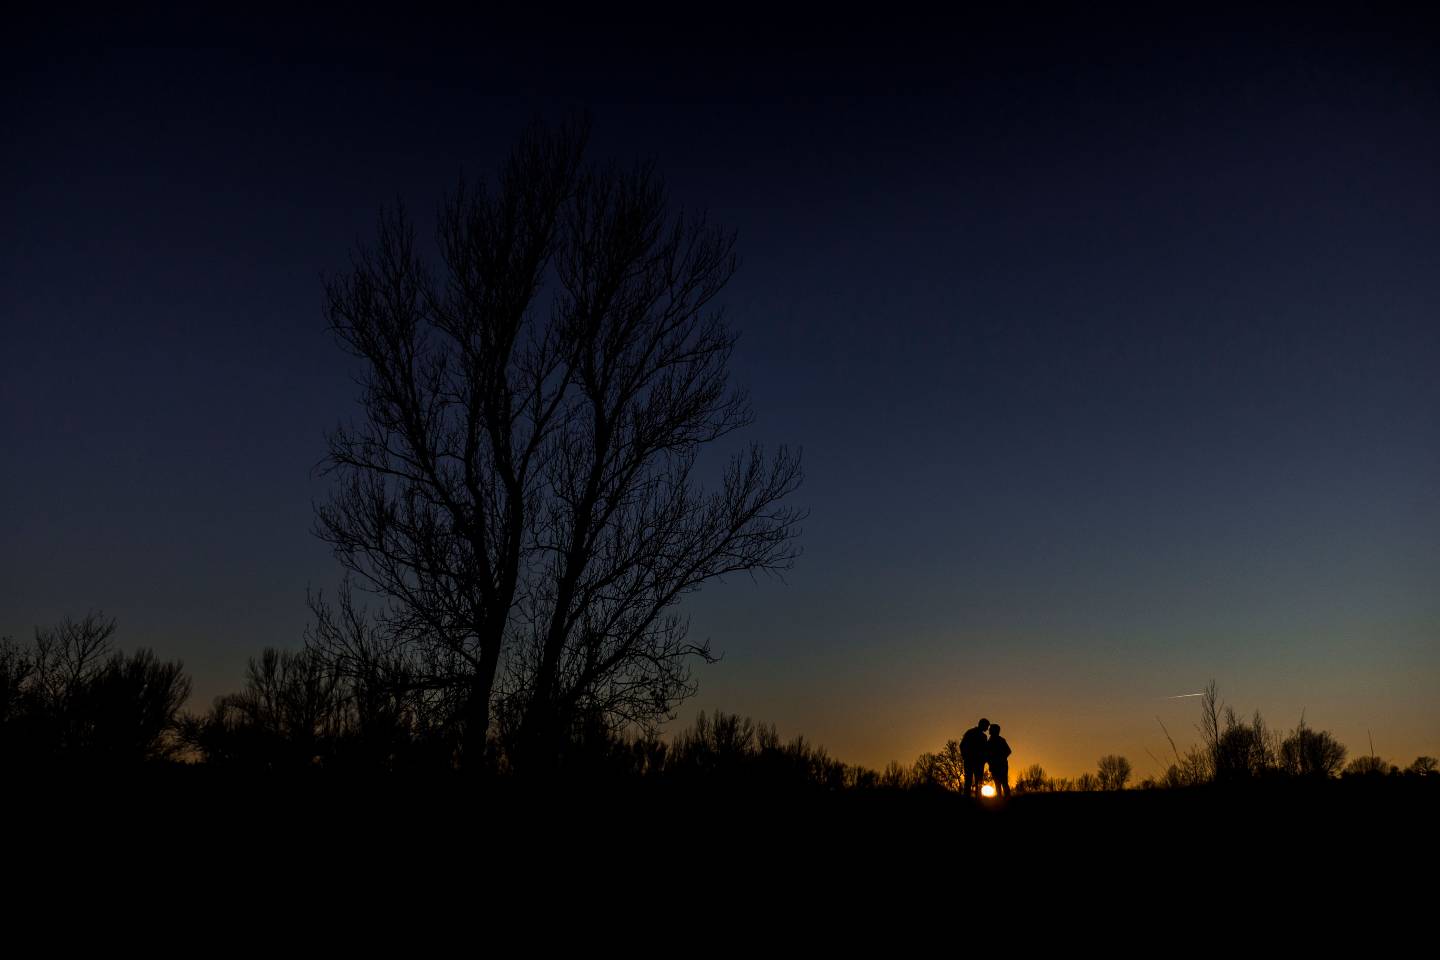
1111	344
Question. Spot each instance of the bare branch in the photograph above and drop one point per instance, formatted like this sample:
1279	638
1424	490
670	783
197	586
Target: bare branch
520	490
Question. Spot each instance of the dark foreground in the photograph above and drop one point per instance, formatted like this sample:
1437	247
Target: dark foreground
1338	851
1381	817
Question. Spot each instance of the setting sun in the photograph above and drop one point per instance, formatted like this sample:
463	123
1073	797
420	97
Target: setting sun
988	790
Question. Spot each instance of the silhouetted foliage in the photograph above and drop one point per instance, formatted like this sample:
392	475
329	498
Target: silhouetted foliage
1423	767
895	777
1191	769
70	697
1311	753
943	771
1369	766
401	699
726	748
289	715
1113	772
295	712
1246	750
521	491
16	667
1236	749
1033	780
130	708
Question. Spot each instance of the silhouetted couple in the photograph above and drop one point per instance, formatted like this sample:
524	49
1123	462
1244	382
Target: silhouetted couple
977	749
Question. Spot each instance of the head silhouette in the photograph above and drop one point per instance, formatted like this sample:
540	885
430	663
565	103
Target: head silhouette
983	723
994	729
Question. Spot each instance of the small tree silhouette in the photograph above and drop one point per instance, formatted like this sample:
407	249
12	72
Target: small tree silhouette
1423	767
896	777
1246	750
288	716
1235	749
130	708
1113	772
1032	780
1311	753
944	770
1368	765
70	697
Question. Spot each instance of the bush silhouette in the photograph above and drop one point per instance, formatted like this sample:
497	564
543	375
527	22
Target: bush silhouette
1113	772
1311	753
1032	780
71	698
1368	766
1423	767
288	716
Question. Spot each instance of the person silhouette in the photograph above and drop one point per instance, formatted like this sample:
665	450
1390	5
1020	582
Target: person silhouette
974	751
998	756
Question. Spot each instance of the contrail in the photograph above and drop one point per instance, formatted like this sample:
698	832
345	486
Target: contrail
1182	696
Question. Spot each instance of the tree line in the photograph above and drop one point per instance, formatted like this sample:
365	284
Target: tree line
71	698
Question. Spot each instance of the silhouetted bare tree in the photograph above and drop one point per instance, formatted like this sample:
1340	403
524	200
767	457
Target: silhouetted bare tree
522	489
71	697
895	777
944	769
1032	780
400	697
17	700
949	768
289	714
16	667
1211	711
130	708
1113	772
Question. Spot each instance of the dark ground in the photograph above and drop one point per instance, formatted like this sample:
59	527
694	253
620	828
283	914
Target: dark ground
1355	842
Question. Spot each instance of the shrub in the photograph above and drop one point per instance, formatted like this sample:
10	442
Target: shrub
1311	753
1113	773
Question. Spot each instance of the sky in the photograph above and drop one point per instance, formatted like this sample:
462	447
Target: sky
1109	340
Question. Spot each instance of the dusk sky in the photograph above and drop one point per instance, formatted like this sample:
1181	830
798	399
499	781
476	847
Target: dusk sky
1111	344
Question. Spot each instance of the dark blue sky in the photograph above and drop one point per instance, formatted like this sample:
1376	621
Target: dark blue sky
1111	343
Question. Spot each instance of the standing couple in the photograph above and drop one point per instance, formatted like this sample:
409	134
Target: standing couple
977	749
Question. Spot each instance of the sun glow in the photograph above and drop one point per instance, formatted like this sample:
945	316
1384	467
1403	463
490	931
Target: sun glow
988	790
